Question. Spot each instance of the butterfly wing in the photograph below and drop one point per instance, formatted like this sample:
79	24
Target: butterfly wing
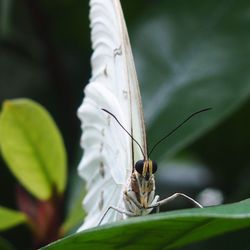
137	117
108	151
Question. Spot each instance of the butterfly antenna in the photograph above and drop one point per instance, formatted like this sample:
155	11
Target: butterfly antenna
181	124
125	131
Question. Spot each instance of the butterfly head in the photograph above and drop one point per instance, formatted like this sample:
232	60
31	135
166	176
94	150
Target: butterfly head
144	186
146	168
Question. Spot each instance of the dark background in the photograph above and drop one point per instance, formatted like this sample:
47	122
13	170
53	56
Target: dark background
45	55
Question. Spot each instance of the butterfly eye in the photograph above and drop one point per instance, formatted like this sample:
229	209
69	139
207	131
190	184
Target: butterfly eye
139	166
154	167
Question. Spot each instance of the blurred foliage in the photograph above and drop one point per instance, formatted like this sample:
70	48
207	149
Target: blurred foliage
33	150
5	245
189	55
33	147
10	218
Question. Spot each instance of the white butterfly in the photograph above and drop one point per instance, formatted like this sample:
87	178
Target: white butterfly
116	186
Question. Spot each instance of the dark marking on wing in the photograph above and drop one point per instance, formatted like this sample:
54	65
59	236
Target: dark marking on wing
101	169
105	71
101	147
101	201
118	51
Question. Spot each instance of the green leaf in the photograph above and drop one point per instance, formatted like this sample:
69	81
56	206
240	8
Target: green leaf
33	148
75	217
5	245
191	55
75	213
10	218
5	16
169	230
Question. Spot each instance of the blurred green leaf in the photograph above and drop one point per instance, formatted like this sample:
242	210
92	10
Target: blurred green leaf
5	245
162	231
192	55
10	218
5	11
33	148
75	212
75	216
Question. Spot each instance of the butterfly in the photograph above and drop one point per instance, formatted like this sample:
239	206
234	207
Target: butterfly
118	172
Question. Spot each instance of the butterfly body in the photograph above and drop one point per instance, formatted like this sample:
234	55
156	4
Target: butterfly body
139	196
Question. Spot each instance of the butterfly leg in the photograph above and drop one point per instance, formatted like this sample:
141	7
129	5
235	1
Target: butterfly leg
158	207
129	214
130	196
174	196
